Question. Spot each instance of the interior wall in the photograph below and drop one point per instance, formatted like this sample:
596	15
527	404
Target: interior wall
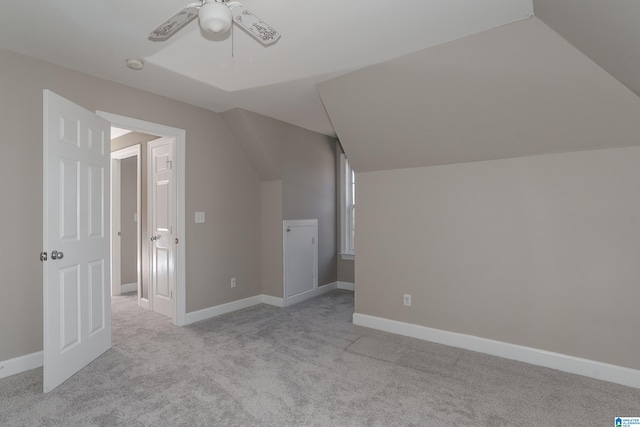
538	251
303	164
128	140
309	192
219	181
272	256
128	221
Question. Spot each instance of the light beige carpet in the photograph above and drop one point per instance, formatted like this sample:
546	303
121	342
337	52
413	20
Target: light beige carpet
305	365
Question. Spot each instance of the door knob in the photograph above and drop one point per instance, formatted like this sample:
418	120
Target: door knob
56	255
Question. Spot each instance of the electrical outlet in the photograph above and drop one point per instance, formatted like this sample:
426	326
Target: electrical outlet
233	282
407	300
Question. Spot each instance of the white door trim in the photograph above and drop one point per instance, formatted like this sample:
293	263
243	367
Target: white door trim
180	136
116	157
298	223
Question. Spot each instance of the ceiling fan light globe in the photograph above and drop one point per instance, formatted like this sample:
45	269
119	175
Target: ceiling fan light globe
215	17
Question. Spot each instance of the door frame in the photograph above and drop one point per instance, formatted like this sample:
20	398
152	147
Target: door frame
116	220
179	302
298	223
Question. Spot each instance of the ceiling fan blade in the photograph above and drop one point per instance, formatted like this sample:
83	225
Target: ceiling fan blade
255	26
175	23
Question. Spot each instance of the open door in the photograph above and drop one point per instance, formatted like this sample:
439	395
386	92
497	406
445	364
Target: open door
161	211
76	265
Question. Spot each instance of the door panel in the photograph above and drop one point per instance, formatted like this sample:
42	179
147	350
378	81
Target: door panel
70	316
300	259
97	294
76	305
162	214
96	203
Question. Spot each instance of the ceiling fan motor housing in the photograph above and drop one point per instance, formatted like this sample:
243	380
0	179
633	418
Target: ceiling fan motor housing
215	17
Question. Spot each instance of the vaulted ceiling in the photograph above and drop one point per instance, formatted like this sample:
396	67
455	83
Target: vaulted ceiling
320	41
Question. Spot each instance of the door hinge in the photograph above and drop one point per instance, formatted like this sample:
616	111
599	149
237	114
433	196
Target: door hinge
43	256
176	240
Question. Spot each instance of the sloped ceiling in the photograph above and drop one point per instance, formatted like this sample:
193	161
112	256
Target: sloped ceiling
516	90
320	40
608	32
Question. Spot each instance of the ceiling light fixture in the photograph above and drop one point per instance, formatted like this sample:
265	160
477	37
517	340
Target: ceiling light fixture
215	17
135	63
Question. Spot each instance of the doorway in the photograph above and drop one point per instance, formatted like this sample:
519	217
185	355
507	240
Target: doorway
126	202
178	301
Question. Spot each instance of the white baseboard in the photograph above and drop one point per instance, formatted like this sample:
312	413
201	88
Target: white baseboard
309	294
197	316
207	313
347	286
144	303
129	287
575	365
21	364
268	299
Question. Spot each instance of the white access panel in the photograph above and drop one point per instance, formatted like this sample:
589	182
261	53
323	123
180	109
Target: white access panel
300	239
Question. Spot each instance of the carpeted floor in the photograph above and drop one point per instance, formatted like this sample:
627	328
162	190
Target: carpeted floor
301	366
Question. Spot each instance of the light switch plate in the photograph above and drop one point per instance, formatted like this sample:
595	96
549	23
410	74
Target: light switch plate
199	217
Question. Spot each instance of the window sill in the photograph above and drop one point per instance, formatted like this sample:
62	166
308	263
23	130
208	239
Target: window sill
348	256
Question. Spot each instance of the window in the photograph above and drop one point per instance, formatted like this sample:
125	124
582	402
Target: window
347	208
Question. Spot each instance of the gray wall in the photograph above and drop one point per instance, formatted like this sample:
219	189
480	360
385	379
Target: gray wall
537	251
272	256
298	170
540	251
128	227
309	191
219	181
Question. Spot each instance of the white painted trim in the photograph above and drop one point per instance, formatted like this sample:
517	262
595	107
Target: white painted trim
347	256
181	138
295	299
207	313
271	300
575	365
129	287
21	364
144	303
347	286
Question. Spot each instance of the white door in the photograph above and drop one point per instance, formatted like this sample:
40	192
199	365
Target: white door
300	256
162	214
76	302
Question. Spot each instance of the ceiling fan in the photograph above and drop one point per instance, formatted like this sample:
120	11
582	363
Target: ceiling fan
216	16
